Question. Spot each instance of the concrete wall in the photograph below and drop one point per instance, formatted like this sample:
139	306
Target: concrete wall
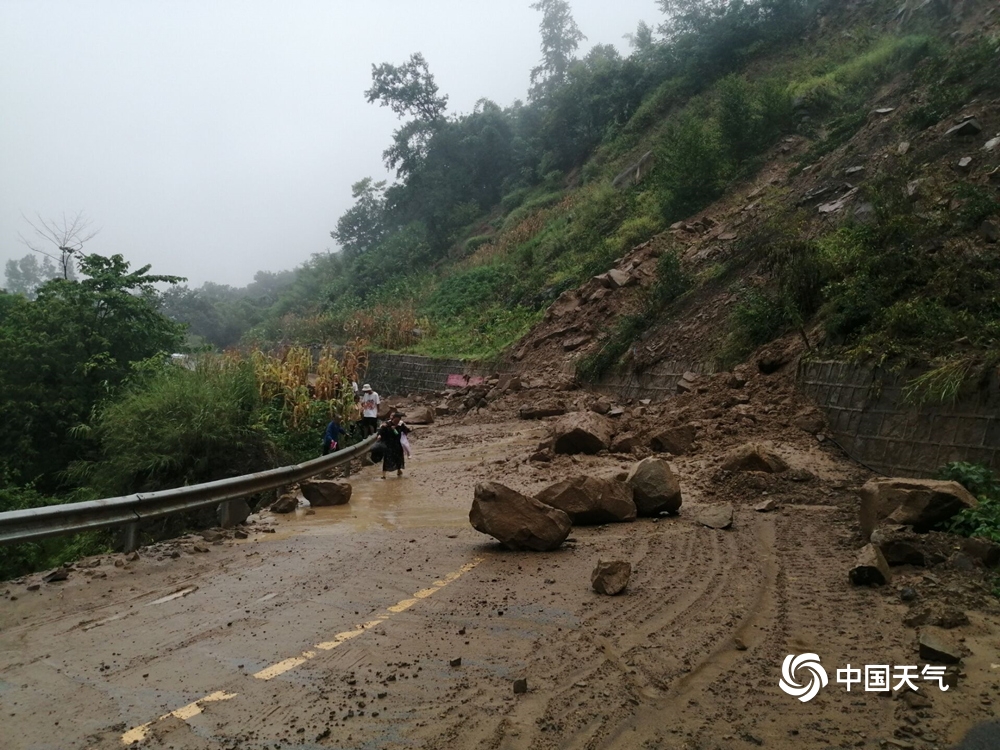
868	416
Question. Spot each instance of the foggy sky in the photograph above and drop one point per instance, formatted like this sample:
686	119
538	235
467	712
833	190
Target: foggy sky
215	139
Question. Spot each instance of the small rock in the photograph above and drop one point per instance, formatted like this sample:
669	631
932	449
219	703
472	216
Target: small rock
965	163
916	700
870	569
132	556
739	644
326	492
240	534
611	577
969	127
456	662
885	110
199	548
59	574
933	647
903	149
754	457
716	516
211	535
908	594
285	504
34	587
767	506
991	144
991	231
520	686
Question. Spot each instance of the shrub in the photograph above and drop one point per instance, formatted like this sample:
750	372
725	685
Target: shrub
180	427
20	559
984	520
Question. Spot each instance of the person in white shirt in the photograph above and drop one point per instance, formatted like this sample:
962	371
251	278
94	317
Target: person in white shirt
369	410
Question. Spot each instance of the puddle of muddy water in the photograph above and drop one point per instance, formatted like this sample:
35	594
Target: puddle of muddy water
393	503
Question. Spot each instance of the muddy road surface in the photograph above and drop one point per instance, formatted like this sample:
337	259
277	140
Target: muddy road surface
391	623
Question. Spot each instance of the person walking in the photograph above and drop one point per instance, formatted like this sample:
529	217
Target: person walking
391	434
369	410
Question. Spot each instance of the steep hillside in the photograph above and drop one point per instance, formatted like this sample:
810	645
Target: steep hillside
871	231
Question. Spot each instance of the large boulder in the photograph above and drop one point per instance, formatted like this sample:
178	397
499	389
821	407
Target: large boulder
582	432
546	407
517	521
754	457
325	492
920	503
675	440
655	489
588	500
420	415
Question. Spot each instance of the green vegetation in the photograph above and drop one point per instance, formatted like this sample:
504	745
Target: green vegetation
983	521
498	211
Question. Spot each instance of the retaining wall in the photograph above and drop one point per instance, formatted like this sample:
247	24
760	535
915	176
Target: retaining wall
868	416
865	407
393	374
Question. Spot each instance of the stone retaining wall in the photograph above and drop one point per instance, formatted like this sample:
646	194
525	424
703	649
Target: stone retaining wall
865	408
868	416
394	374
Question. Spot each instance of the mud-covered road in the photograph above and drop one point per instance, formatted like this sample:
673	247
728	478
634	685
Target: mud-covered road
345	628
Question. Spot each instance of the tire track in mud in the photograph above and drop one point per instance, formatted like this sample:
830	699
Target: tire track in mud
620	662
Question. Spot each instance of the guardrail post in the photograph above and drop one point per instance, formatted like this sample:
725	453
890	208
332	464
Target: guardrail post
130	537
233	512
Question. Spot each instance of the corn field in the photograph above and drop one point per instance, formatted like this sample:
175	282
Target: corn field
304	388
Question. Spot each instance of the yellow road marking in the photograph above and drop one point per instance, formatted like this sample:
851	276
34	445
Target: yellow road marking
139	733
184	712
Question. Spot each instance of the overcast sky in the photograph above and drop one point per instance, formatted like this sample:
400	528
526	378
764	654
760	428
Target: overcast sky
216	139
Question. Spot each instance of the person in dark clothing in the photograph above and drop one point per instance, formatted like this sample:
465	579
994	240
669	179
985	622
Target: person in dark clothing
331	437
390	434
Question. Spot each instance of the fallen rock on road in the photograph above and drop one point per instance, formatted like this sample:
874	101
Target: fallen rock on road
611	577
517	521
588	500
655	489
582	432
326	492
920	503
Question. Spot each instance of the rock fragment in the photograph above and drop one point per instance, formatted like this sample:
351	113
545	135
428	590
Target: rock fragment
655	488
611	577
870	568
517	521
716	516
326	492
589	500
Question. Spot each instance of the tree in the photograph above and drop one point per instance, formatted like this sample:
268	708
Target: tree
560	39
66	351
362	226
66	236
408	90
24	276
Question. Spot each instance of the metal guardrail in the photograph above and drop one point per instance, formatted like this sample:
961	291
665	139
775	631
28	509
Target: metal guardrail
55	520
